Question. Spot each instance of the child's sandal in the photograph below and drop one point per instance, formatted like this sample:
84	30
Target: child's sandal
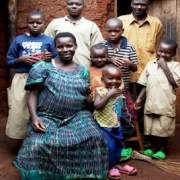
148	152
159	155
127	169
126	152
114	174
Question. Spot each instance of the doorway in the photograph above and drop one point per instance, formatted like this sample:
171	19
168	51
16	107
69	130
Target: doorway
4	75
123	7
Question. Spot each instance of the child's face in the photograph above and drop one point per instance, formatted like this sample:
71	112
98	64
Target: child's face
112	78
66	48
166	51
99	57
114	31
35	24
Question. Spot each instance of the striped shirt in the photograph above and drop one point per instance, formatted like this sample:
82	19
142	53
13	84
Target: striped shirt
125	51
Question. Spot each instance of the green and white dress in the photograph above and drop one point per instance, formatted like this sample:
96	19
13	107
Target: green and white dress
72	146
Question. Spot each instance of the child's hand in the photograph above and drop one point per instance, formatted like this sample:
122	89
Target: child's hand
27	59
117	61
137	104
162	62
38	125
127	62
113	92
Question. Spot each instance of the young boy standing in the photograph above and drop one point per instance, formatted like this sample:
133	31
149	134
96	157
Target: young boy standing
24	51
123	55
120	52
159	80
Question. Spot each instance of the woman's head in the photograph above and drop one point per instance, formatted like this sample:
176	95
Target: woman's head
66	45
111	76
99	55
167	49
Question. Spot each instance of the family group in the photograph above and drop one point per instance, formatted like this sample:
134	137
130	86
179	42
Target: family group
75	94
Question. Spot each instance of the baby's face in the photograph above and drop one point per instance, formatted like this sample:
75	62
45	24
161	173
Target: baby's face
112	78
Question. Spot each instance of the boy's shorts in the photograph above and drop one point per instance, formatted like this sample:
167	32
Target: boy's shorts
18	116
161	126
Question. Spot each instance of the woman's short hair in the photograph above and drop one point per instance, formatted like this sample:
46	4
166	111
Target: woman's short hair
65	34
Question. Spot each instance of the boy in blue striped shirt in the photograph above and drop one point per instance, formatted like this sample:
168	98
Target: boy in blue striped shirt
123	55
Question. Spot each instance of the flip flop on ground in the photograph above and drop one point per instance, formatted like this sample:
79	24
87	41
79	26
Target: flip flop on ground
127	169
126	154
148	152
114	174
159	155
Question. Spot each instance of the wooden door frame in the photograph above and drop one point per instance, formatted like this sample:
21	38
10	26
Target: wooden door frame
115	8
12	16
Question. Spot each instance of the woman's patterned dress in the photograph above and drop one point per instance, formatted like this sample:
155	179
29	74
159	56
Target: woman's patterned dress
72	146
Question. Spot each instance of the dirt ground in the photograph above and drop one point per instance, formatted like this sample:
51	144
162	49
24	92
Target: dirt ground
145	171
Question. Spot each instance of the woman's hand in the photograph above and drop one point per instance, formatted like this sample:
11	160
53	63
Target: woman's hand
38	125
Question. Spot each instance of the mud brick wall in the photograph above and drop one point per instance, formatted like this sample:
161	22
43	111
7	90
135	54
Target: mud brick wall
96	10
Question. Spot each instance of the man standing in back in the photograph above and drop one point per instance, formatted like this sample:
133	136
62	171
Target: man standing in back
143	31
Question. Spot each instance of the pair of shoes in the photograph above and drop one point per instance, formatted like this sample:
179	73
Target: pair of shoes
148	152
114	174
159	155
127	169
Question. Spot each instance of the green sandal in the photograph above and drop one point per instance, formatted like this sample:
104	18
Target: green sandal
126	154
148	152
159	155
